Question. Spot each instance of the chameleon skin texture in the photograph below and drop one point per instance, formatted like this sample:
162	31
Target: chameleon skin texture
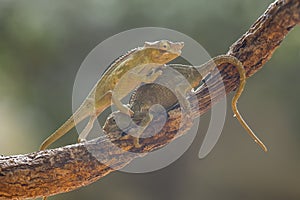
149	94
64	169
152	94
136	66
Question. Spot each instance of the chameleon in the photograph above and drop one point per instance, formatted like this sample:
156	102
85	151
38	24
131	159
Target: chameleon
118	80
152	93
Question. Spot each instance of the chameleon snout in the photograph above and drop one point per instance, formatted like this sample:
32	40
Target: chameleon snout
176	47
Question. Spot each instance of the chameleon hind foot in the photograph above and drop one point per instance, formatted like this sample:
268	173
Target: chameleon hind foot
237	95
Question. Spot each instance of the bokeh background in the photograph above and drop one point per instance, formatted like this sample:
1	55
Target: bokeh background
42	44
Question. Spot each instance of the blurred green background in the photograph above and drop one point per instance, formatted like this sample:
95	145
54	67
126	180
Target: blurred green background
42	44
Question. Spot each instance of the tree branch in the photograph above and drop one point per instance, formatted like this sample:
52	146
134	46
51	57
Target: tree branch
64	169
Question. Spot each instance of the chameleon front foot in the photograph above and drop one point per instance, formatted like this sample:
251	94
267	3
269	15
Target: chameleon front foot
136	142
128	111
81	140
136	133
124	109
121	107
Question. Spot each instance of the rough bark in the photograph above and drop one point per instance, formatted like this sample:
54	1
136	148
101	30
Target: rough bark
54	171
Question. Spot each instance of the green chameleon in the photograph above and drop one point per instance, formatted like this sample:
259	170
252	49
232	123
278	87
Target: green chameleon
120	78
151	94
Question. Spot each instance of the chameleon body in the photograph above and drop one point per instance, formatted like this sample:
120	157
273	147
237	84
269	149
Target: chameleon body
150	94
121	77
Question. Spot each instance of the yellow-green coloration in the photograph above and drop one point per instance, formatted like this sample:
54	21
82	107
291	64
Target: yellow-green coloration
122	76
151	94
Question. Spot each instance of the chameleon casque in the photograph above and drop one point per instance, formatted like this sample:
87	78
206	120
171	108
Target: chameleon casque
140	65
152	93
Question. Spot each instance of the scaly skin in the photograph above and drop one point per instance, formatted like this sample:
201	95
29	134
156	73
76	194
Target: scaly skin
150	94
121	77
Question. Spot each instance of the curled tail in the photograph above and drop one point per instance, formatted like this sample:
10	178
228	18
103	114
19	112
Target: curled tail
82	113
242	72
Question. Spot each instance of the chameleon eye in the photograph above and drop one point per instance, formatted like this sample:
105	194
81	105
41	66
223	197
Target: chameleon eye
164	46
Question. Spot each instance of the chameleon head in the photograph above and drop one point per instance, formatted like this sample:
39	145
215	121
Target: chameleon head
163	51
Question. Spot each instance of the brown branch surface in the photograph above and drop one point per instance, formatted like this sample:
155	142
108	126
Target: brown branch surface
64	169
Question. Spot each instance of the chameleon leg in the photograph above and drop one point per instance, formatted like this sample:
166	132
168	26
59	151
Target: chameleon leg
237	95
136	141
143	125
94	113
121	107
87	129
181	92
134	76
